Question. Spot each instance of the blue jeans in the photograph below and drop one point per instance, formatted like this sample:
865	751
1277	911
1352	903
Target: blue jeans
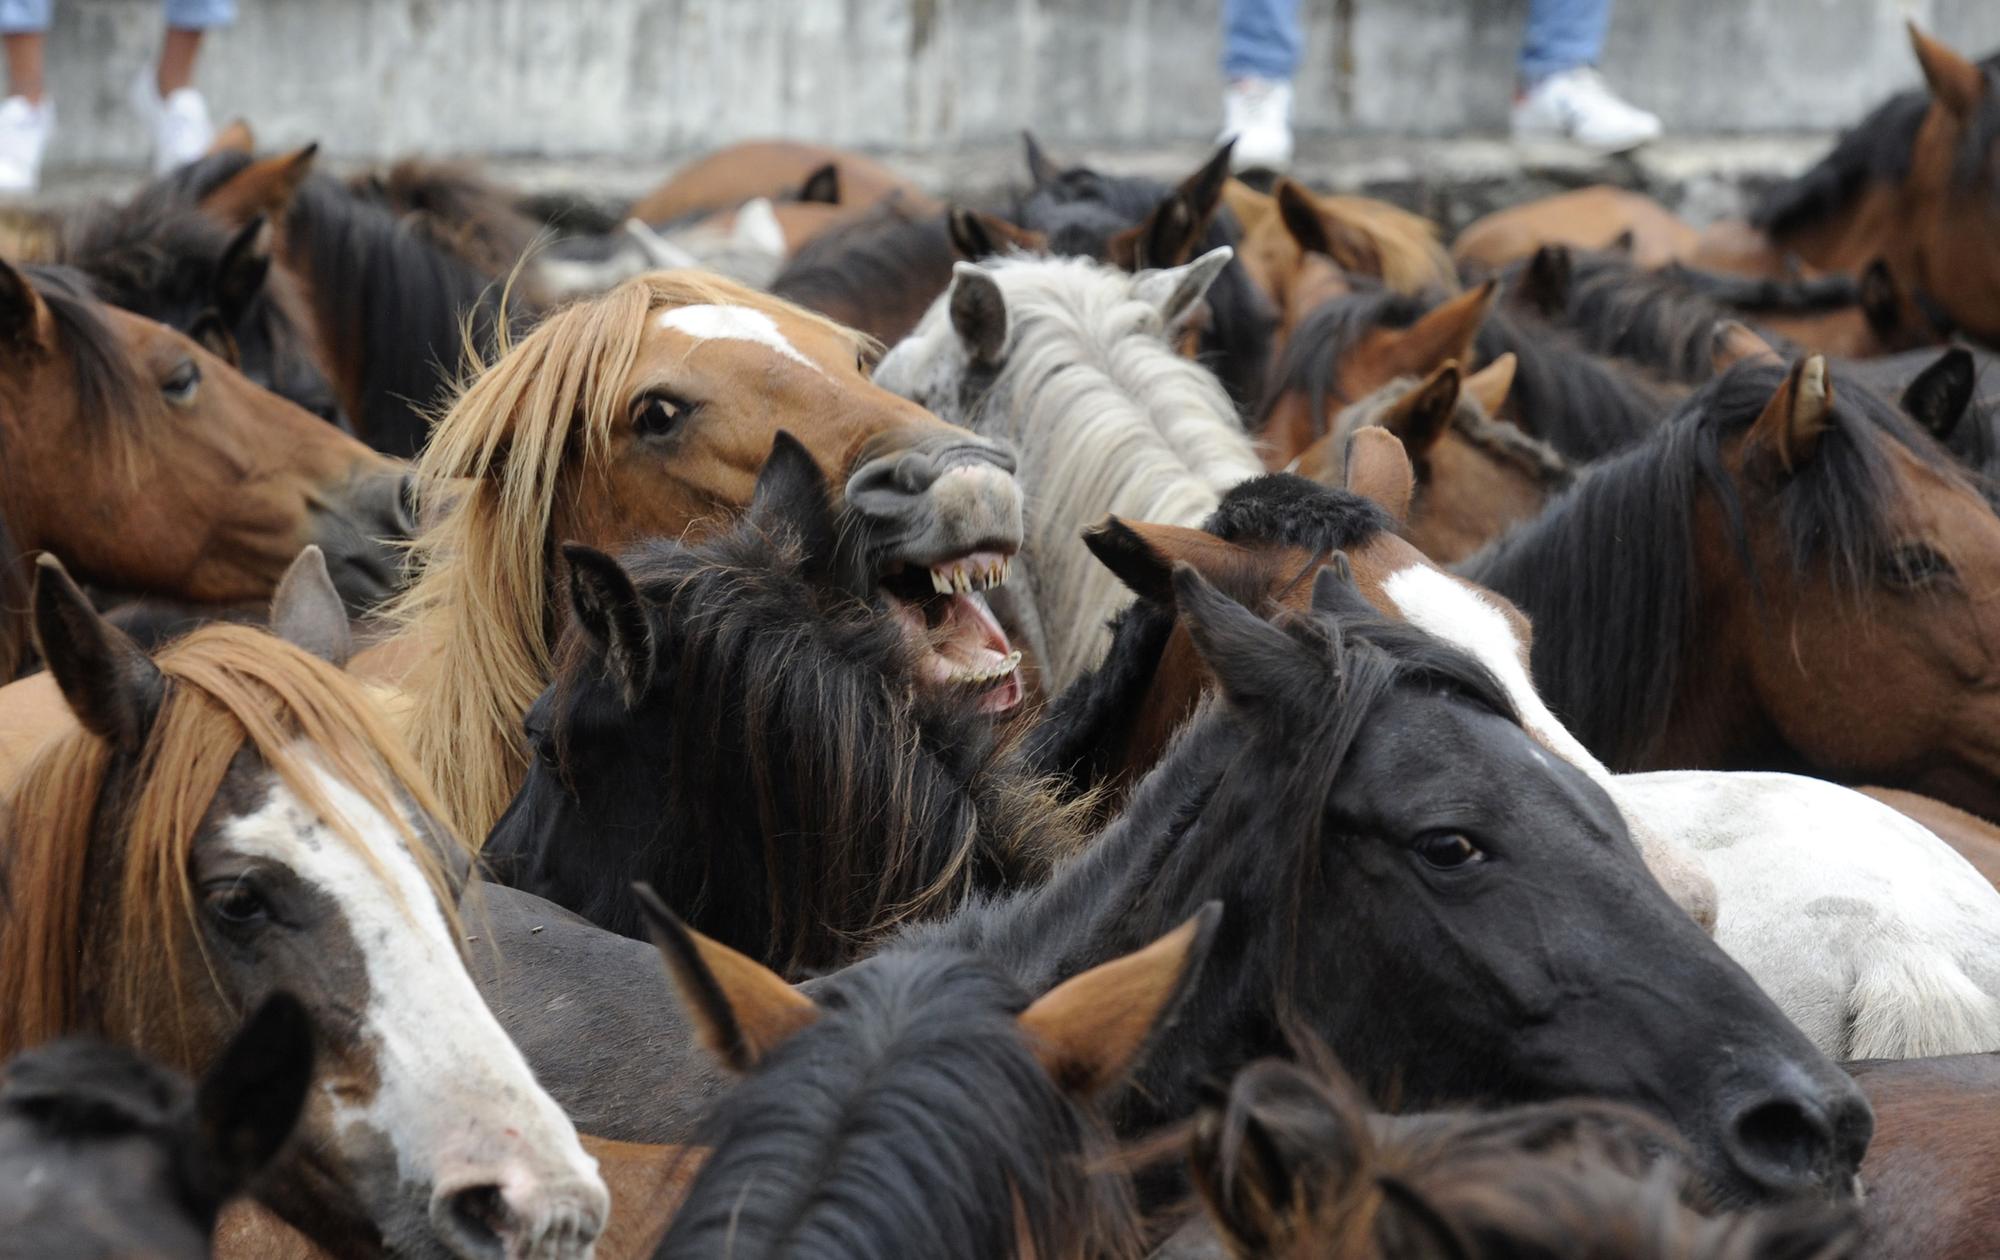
1260	38
1562	35
24	17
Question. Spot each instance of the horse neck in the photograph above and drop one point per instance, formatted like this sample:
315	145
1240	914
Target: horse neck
1848	239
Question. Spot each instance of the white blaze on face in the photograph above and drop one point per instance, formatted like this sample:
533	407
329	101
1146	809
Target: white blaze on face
733	323
457	1101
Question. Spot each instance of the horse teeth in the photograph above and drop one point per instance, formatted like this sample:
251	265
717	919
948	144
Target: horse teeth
940	581
961	579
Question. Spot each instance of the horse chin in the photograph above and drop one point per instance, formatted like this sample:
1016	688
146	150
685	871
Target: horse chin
959	646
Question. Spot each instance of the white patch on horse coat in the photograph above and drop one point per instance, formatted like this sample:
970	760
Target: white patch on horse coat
456	1099
1908	967
708	322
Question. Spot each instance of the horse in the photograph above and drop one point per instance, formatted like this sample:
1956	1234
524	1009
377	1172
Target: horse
1930	1177
782	170
1292	1166
1361	235
917	1104
799	758
1018	349
1869	933
646	412
150	466
1475	476
1599	217
879	272
230	818
1803	525
103	1153
1406	923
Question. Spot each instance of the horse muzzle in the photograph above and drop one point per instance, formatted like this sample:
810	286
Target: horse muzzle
943	497
362	528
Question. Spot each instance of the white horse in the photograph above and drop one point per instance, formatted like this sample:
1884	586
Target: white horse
1074	363
1869	932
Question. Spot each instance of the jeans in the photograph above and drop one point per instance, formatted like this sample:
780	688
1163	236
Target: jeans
23	17
1260	38
1562	35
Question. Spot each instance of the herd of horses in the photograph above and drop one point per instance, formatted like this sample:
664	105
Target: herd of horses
1144	720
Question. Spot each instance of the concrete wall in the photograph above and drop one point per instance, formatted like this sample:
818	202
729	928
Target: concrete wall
649	78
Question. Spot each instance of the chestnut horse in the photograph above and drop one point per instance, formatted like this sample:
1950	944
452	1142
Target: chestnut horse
150	466
231	818
783	170
647	412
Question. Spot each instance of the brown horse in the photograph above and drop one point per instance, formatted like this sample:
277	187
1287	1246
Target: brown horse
647	412
1933	1169
151	466
784	171
231	818
1600	217
1476	477
1361	235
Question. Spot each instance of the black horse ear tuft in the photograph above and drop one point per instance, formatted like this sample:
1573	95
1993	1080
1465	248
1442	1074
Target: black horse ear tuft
741	1009
250	1100
114	688
1940	394
241	271
1255	663
306	611
611	611
978	313
822	186
1546	280
1041	170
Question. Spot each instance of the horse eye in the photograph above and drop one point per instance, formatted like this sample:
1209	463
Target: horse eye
1448	850
655	415
1917	565
237	904
179	388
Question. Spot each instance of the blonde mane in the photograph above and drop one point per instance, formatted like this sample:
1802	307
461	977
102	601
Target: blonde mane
111	953
489	482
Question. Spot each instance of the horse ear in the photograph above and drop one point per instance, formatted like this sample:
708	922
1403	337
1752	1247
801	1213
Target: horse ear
250	1099
1335	592
822	186
611	611
1446	332
1040	169
1734	342
1786	433
791	494
1089	1030
1407	1223
114	688
264	187
978	313
1379	470
236	137
1545	281
1255	662
976	235
1939	395
1881	300
742	1010
306	611
1143	554
1626	243
1490	385
1169	235
1420	417
1955	82
241	271
1318	229
1280	1144
1177	291
23	315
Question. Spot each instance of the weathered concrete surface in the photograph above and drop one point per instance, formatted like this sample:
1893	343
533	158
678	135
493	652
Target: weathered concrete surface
647	79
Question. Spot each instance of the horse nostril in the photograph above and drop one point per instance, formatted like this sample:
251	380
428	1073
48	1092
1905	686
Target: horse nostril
1784	1145
474	1221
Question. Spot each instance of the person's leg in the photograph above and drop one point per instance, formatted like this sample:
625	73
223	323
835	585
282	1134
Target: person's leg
177	54
182	131
1562	35
26	117
1260	39
24	64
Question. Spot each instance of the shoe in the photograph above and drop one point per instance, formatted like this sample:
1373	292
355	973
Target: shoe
1258	114
1577	105
24	137
182	131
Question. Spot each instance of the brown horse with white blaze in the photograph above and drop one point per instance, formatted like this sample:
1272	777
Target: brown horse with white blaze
648	412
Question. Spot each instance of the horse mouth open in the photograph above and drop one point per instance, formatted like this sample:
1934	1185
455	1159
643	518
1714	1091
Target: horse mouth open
959	643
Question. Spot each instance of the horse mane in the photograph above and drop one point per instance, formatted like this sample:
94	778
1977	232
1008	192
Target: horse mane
1500	440
851	1138
1414	260
1584	405
1293	511
1877	150
511	449
1614	624
1310	361
109	389
858	266
459	210
99	856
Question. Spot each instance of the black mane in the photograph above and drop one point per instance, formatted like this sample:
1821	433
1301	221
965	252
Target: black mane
1310	361
1877	150
1584	405
1606	573
884	259
910	1119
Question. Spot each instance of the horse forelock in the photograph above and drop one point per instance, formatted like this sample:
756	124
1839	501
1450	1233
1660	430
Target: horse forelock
106	842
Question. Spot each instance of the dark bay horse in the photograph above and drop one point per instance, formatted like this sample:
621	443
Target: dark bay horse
103	1153
647	412
1789	574
231	818
152	467
1932	1190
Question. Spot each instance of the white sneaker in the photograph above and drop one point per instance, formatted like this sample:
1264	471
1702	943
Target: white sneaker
1258	113
24	137
182	131
1577	105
